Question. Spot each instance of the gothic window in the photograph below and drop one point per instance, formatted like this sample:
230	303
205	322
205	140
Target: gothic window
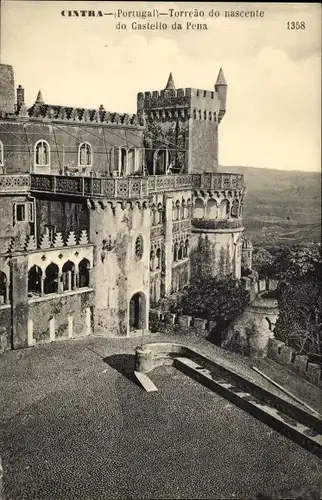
160	213
180	251
159	258
178	209
175	252
153	215
198	211
139	248
1	154
85	155
42	154
51	279
131	161
186	248
211	209
152	255
83	273
234	209
3	288
68	275
34	281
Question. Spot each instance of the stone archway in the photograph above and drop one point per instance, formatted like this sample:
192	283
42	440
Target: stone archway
137	312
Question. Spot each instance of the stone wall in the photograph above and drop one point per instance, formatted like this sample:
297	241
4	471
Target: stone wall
286	356
64	140
179	324
249	334
60	317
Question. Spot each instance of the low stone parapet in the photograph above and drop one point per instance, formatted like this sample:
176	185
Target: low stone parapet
179	324
286	356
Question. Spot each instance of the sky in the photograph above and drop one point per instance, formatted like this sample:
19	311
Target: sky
273	117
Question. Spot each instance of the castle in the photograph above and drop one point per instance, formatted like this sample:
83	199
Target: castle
101	212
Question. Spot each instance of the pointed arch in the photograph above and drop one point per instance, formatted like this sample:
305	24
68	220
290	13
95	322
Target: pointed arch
42	154
85	155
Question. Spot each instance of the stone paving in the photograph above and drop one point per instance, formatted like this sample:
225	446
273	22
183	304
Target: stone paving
75	425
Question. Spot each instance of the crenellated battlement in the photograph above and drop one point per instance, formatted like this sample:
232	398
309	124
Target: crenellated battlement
187	100
174	94
64	113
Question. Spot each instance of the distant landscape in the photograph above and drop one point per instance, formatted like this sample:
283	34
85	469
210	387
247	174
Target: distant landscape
282	207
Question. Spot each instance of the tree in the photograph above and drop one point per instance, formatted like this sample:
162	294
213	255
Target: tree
213	299
300	317
264	262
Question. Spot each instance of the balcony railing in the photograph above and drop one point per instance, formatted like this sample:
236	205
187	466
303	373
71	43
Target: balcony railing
14	183
216	224
120	187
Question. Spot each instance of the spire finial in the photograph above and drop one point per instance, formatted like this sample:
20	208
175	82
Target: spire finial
170	85
221	80
40	99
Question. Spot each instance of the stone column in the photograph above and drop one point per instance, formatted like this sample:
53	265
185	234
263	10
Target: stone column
19	304
168	200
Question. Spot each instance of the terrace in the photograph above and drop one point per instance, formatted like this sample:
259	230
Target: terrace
116	187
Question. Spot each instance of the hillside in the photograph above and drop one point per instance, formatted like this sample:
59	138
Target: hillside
281	206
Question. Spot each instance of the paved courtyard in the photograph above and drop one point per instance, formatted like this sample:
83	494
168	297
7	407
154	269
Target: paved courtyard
74	425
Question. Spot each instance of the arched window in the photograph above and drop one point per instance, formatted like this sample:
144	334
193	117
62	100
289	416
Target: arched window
153	215
211	209
175	252
180	251
1	155
234	209
224	209
85	155
152	256
160	161
83	273
138	249
178	210
159	257
68	276
51	279
186	248
160	213
34	281
3	288
198	211
42	154
131	161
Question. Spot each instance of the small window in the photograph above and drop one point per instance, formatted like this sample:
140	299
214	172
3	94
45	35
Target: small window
42	153
139	248
85	155
50	230
20	212
1	154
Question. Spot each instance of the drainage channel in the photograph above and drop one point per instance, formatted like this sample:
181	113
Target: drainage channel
285	418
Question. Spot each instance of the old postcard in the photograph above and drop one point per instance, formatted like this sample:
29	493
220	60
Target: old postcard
160	250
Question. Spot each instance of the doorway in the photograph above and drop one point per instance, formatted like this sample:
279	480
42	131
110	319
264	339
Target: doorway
137	313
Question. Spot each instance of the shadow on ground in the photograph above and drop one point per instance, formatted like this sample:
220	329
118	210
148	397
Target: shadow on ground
124	364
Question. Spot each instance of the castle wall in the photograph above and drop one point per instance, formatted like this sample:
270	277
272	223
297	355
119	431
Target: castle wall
203	145
60	317
64	140
119	272
10	227
64	214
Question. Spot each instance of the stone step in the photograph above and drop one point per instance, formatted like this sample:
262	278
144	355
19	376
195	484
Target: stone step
145	381
307	437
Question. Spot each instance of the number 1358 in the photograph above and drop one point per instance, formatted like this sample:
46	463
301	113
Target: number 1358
296	25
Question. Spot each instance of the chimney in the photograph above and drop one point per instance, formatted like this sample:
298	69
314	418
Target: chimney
20	96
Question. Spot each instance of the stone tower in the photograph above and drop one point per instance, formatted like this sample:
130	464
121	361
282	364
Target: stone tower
186	122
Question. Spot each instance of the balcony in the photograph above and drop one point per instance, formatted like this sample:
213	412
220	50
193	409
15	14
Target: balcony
216	224
14	183
119	187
